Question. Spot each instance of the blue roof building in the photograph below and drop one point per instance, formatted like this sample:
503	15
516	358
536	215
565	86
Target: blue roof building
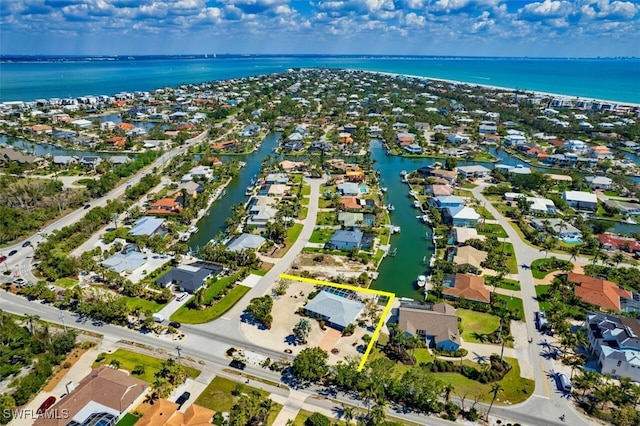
146	226
346	240
337	311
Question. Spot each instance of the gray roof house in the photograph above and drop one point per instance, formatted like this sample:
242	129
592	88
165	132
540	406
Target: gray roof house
64	159
188	278
128	259
245	241
146	225
349	189
346	240
436	324
337	311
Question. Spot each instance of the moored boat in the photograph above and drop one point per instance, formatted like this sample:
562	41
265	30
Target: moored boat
390	208
416	204
421	281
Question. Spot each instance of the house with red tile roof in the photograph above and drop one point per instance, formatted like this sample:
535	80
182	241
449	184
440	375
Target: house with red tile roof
125	126
223	145
596	291
616	242
465	286
117	141
165	206
350	203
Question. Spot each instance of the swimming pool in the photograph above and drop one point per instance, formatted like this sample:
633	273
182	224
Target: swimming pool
364	190
572	240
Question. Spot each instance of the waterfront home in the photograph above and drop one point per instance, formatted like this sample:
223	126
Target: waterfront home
581	200
355	174
116	141
346	240
292	166
352	219
260	212
292	146
438	190
8	154
90	161
465	286
473	172
405	138
557	226
413	149
626	208
576	146
277	178
250	130
119	159
436	324
165	206
443	202
186	278
461	216
520	170
448	175
64	160
127	260
599	182
276	190
458	139
484	129
191	188
100	398
245	242
322	146
82	123
536	204
604	294
515	140
614	340
349	189
468	255
617	242
455	152
335	310
39	129
462	235
224	145
600	152
148	225
157	144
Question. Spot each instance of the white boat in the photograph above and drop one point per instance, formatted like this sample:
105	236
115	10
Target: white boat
425	218
416	204
390	208
395	229
383	188
432	261
630	221
421	281
403	173
193	230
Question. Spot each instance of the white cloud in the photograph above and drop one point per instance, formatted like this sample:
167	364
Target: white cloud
547	9
414	20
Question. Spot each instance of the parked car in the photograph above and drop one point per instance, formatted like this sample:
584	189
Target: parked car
238	364
26	244
182	296
87	206
174	324
12	252
183	398
3	258
46	404
564	384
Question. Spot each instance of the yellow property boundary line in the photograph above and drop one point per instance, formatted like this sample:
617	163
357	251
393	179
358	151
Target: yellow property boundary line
385	312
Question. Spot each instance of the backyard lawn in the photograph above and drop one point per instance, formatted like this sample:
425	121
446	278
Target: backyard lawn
478	322
512	303
128	420
200	316
65	282
218	396
492	229
326	218
540	291
129	360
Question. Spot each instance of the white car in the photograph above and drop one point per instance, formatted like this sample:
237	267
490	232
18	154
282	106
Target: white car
182	296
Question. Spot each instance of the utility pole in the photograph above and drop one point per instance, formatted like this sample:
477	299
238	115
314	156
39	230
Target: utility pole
61	318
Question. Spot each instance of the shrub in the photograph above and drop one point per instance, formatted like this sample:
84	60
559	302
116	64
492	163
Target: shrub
317	419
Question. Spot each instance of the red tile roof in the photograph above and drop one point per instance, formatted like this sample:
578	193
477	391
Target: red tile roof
470	287
618	242
599	292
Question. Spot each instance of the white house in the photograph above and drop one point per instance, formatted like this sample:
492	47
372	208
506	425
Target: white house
577	146
599	182
615	341
457	139
475	171
581	200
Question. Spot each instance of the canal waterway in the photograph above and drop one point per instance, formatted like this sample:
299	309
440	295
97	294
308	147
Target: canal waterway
43	149
215	222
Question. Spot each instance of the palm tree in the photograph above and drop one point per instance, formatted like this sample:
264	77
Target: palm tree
302	330
480	337
548	244
618	258
30	320
448	388
575	362
348	414
574	251
587	380
505	339
114	363
495	389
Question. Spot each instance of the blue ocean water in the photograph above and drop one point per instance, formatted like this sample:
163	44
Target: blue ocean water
609	79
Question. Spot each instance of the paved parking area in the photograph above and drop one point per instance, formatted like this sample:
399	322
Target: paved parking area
194	387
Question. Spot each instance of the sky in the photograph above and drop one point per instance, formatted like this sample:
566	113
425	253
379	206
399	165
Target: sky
543	28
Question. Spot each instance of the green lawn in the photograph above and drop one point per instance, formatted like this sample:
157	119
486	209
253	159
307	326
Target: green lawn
293	233
217	287
128	420
482	211
326	218
129	360
540	291
516	388
492	229
321	235
200	316
513	303
143	304
218	396
304	202
535	267
65	282
478	322
505	283
306	189
303	212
